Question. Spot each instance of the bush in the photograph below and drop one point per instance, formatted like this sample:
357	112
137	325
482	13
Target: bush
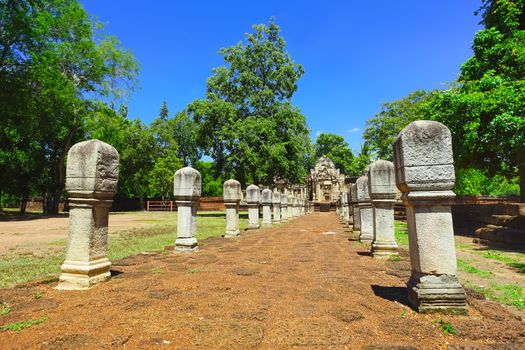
474	182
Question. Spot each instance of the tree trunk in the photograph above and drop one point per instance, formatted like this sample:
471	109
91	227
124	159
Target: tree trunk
23	203
521	170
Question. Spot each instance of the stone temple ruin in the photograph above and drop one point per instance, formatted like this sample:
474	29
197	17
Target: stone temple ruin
325	184
422	171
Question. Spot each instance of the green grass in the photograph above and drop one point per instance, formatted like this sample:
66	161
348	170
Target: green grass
511	261
445	327
401	233
18	326
467	267
16	269
4	309
508	294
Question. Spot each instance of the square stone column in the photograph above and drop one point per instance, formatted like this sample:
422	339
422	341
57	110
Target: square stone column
91	182
284	207
187	191
266	202
357	218
350	207
346	211
232	196
291	207
365	210
276	201
253	198
382	186
425	176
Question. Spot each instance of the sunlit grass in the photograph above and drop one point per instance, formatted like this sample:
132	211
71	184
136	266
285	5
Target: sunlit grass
401	233
16	269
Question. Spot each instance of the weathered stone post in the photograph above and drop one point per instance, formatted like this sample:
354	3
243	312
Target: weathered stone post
276	201
284	207
382	186
290	207
357	217
266	202
350	206
253	198
232	196
91	182
365	210
187	191
295	203
425	175
346	208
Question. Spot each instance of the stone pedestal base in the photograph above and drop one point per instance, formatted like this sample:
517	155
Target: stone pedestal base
188	244
384	249
78	275
434	293
232	234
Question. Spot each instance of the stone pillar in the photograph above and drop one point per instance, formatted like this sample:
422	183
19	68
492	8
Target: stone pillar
425	176
284	207
232	196
357	218
365	210
346	211
382	186
91	182
290	207
276	201
266	202
253	198
295	204
187	191
350	206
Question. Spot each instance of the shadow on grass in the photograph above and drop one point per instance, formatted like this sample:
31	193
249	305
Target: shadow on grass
398	294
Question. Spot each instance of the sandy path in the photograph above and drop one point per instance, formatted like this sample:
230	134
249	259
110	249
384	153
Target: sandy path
34	235
303	285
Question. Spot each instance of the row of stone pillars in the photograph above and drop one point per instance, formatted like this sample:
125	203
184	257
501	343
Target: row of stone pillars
91	181
423	171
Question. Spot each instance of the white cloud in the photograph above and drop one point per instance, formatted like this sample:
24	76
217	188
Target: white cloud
353	130
318	133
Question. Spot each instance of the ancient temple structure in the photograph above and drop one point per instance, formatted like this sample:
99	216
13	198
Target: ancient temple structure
325	182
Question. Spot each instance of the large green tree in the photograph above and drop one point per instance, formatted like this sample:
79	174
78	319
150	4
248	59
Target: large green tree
55	61
485	110
247	122
337	149
383	128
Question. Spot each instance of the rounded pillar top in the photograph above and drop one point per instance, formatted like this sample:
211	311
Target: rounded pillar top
253	194
232	190
92	166
187	183
284	199
363	195
266	197
423	157
276	197
382	180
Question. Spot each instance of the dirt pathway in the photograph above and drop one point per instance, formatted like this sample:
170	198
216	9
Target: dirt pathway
302	285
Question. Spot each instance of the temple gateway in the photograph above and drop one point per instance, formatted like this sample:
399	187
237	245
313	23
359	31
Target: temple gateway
325	182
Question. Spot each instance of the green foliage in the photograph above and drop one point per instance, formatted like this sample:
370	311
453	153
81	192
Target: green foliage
211	180
337	149
4	309
382	130
18	326
247	122
485	110
445	327
54	62
467	267
476	182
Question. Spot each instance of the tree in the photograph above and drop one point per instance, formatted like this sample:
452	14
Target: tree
185	132
485	110
336	148
247	122
164	111
383	128
54	61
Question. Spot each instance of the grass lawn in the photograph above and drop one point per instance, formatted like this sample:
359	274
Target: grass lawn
16	269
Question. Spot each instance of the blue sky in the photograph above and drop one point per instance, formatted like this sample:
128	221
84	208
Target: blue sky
356	54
